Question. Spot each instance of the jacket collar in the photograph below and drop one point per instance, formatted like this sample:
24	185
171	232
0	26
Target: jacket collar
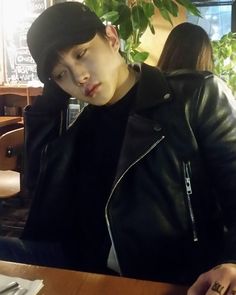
153	86
143	133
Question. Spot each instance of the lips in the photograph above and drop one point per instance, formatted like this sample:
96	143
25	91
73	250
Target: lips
90	90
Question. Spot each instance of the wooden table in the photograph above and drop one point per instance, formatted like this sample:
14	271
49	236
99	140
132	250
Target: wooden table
22	90
66	282
5	120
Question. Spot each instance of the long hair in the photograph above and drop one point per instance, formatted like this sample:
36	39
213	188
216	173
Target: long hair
187	47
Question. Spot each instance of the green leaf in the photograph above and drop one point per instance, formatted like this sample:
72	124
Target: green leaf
109	5
139	56
111	16
171	7
151	27
148	9
165	14
132	22
190	7
158	3
124	14
224	56
125	29
96	6
163	10
139	19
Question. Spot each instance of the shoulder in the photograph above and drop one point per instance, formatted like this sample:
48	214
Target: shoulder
177	74
205	81
183	73
179	79
182	85
202	90
195	83
190	78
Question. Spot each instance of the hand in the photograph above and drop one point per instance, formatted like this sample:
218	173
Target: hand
54	99
221	280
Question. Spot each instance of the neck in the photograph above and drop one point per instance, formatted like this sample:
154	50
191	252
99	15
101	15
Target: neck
127	78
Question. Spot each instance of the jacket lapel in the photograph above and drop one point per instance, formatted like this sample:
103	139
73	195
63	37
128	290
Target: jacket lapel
153	89
143	133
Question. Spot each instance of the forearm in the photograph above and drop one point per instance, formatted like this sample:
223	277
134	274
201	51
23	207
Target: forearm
44	120
40	129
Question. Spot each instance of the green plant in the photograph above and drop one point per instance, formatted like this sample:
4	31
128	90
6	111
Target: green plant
132	17
224	55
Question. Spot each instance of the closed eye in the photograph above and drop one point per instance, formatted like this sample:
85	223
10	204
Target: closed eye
81	53
59	76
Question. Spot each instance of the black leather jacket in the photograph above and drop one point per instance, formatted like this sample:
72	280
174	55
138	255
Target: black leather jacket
171	212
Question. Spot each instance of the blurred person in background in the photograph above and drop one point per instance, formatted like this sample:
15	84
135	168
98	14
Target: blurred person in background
188	46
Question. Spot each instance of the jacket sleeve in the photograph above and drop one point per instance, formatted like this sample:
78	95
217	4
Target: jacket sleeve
41	127
215	127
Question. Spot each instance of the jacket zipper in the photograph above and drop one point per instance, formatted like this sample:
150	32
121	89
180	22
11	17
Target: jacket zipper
114	187
188	187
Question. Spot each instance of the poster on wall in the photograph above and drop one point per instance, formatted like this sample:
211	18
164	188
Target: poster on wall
17	18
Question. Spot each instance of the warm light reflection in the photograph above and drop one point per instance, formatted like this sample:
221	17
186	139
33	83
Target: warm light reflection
17	17
14	12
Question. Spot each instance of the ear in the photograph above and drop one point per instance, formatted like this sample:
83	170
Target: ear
112	37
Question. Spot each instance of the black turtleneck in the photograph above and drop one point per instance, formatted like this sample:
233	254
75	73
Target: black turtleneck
96	165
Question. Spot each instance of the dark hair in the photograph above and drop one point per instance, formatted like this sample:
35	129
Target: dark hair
187	47
55	56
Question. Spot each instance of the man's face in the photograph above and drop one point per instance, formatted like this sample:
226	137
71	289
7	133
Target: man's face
91	71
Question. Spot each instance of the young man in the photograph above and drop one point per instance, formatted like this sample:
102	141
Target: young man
143	182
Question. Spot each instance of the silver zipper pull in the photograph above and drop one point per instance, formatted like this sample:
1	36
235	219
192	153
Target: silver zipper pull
187	178
187	172
8	287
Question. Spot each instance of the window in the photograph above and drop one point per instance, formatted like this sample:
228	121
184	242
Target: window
218	17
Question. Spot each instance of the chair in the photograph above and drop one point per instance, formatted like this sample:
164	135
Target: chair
7	128
11	147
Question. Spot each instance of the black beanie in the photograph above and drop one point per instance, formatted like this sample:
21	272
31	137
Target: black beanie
61	25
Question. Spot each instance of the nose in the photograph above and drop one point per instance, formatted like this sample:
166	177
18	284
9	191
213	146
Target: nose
80	76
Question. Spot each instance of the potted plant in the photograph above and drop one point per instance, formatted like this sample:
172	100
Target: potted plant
224	55
132	17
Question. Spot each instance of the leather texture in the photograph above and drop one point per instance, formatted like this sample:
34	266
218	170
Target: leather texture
171	212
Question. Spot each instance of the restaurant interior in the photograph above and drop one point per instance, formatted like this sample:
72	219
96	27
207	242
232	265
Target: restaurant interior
19	85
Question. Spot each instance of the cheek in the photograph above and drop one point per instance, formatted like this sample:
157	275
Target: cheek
68	87
63	86
107	68
105	61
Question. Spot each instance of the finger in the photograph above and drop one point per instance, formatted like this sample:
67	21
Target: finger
218	288
200	287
